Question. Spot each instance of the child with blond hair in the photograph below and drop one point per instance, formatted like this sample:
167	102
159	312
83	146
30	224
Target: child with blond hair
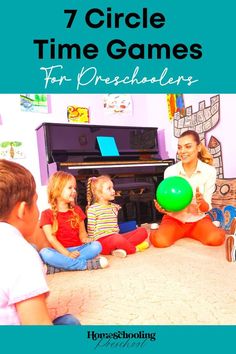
63	225
102	216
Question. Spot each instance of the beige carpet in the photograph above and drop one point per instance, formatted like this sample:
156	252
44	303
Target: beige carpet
187	283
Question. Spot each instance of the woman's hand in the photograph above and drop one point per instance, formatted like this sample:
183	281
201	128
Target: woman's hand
73	254
203	206
159	208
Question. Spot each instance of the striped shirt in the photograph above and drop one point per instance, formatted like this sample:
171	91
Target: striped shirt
102	220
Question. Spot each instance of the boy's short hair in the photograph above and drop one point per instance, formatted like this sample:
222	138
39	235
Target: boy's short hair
16	185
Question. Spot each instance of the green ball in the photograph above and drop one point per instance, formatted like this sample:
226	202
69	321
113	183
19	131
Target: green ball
174	194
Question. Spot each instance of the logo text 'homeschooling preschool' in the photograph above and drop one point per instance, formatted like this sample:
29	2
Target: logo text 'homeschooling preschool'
121	339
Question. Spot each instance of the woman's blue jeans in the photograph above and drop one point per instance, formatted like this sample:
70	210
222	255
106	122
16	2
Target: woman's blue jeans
58	260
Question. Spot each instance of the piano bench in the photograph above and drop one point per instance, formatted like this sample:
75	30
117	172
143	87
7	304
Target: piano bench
138	200
136	193
132	186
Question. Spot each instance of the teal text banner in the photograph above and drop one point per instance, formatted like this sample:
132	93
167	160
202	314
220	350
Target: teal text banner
126	46
118	339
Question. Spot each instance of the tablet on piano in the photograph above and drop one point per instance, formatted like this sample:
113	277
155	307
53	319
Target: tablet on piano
107	146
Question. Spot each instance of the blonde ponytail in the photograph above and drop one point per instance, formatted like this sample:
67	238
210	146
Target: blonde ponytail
89	193
204	155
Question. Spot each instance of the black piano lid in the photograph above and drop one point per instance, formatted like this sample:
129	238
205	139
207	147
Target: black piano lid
78	142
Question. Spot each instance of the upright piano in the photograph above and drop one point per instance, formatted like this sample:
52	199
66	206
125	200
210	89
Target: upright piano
136	171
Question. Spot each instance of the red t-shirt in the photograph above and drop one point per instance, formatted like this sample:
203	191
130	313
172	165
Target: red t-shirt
66	235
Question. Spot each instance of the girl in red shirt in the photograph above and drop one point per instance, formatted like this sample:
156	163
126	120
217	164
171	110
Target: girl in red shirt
63	225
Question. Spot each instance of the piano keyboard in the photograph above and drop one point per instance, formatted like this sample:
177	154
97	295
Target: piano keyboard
115	164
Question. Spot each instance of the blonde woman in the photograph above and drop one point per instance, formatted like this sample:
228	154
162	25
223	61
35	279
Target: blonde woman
63	225
196	167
